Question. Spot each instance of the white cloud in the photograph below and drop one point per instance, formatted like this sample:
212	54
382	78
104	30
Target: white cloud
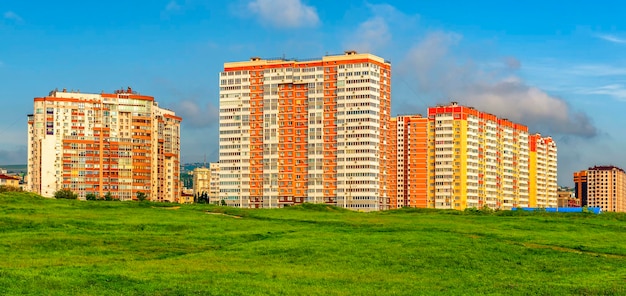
512	63
596	70
172	6
195	114
375	33
612	38
437	72
370	35
617	91
284	13
582	79
10	15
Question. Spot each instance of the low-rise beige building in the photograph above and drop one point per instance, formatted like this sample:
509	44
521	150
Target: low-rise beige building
8	180
201	181
566	198
207	181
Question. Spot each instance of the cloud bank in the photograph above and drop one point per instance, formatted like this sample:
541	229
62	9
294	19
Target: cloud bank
375	33
612	38
195	114
16	156
284	13
437	72
12	16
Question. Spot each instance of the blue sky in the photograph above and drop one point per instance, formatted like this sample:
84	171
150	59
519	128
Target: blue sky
558	68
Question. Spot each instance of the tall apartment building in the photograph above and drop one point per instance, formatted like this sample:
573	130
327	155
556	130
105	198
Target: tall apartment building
409	136
543	164
602	186
580	187
214	182
120	143
476	159
294	131
458	157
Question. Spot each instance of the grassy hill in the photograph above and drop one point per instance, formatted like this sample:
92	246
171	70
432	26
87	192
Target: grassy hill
64	247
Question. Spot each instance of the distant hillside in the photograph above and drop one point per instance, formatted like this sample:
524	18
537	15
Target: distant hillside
188	167
14	168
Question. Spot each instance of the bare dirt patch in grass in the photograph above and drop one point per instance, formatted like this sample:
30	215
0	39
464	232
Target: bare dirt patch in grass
222	214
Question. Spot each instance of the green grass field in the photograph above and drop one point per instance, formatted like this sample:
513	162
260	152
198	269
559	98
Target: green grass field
70	247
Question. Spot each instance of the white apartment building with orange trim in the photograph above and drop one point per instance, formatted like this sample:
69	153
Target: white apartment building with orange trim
294	131
120	143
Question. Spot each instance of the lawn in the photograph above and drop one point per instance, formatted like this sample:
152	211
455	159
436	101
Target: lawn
69	247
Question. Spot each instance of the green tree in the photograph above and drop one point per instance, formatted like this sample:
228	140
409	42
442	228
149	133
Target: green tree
223	202
65	193
91	196
108	196
141	196
203	198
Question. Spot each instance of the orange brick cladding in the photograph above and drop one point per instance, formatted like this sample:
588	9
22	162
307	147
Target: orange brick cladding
306	131
119	144
410	180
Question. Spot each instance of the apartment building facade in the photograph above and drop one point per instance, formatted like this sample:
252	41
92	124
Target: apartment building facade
214	183
207	181
458	157
476	159
410	178
580	187
543	164
603	187
117	143
201	181
294	131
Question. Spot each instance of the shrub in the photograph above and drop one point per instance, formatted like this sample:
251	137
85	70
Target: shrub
6	188
91	196
65	193
141	196
108	196
485	210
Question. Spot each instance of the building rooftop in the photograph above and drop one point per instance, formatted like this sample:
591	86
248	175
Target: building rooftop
605	168
9	177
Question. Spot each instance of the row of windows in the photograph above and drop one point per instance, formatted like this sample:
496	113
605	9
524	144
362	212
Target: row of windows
350	136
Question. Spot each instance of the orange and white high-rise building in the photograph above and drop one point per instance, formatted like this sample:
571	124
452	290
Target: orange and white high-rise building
114	144
410	156
458	157
476	159
294	131
543	163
